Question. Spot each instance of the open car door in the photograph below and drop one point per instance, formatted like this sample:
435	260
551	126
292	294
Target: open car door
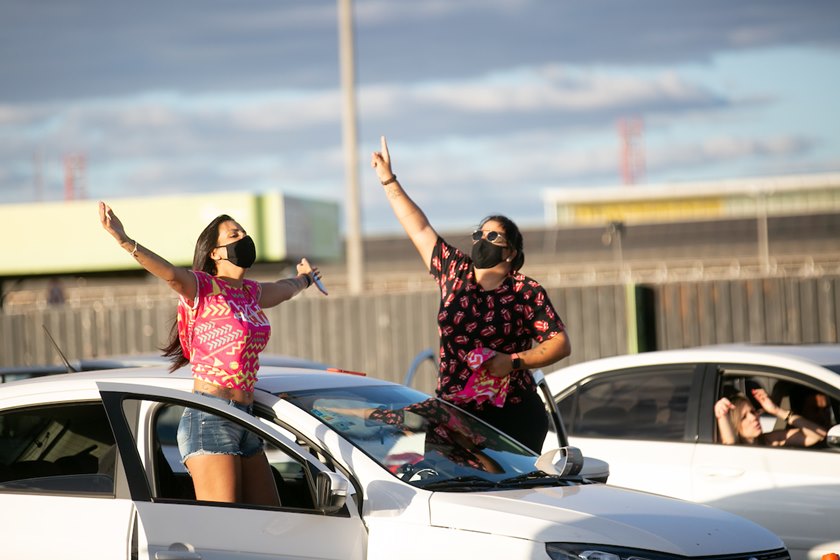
170	523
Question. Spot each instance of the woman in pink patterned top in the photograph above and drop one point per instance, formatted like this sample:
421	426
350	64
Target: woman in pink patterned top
221	331
489	318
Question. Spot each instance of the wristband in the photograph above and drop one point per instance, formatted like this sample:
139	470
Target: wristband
389	181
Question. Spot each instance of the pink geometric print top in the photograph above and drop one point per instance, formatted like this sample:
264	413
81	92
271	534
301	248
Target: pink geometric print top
223	332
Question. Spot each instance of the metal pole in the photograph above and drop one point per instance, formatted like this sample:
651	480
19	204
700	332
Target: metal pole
350	138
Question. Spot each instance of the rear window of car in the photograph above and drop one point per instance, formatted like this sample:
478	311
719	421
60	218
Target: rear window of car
57	449
640	404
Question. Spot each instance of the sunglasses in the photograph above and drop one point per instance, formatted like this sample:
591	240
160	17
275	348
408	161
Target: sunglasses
490	236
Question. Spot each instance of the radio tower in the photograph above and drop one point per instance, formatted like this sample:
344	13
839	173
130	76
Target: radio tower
631	131
74	177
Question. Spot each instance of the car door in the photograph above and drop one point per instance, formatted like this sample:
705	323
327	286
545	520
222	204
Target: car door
794	492
172	524
61	486
637	420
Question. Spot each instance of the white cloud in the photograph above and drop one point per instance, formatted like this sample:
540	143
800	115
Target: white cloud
548	88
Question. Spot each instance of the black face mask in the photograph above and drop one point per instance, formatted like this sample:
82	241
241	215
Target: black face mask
485	254
242	253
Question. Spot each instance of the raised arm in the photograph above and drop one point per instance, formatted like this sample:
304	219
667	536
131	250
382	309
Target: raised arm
725	430
274	293
181	280
412	218
801	433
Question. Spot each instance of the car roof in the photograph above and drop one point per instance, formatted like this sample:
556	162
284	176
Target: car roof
14	373
814	359
273	379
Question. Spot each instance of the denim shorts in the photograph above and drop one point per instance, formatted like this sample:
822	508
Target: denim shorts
205	433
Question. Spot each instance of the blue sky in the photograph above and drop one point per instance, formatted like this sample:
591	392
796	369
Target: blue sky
486	103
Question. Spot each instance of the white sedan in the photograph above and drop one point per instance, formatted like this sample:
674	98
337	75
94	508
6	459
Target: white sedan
650	416
366	469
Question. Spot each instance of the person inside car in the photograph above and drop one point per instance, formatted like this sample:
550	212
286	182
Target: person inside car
738	422
812	405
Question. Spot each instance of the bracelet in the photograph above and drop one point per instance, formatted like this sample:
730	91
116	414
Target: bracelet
308	280
134	251
389	181
787	416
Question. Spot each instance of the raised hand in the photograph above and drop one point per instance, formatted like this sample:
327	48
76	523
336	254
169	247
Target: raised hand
381	161
764	400
722	407
303	267
112	223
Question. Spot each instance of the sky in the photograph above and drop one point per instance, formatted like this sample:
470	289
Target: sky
485	103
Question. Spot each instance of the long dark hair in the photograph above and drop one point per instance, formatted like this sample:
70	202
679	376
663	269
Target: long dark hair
207	240
513	236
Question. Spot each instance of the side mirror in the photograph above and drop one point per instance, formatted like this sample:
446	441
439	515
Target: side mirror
595	470
331	491
832	439
566	461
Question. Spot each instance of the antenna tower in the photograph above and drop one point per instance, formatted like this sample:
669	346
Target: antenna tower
74	177
631	131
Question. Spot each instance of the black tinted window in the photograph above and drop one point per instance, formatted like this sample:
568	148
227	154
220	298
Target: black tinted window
172	480
67	448
633	404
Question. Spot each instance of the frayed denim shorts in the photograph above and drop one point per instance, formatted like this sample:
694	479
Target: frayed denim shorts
205	433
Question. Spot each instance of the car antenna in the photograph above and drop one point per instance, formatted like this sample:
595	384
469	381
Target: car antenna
70	369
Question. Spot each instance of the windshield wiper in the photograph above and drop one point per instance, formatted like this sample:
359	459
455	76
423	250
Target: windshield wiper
458	482
529	479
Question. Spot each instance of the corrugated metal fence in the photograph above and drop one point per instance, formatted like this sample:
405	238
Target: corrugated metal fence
381	334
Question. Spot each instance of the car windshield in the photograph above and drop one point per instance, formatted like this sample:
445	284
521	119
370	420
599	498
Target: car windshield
423	440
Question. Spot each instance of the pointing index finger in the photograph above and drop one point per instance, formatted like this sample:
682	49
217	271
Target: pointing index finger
384	148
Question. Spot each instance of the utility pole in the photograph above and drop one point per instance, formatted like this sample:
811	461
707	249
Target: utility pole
351	152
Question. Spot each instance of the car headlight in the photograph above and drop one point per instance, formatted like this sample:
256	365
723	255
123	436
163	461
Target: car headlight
577	551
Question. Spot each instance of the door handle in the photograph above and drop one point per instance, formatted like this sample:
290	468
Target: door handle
721	472
178	551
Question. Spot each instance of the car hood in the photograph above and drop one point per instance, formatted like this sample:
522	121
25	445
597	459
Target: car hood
601	514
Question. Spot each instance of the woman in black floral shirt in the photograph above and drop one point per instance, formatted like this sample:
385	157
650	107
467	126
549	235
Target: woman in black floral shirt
485	303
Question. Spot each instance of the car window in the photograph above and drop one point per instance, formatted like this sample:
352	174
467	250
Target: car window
419	439
170	479
642	404
57	449
788	392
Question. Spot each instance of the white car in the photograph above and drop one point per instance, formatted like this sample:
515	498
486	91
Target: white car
366	469
650	416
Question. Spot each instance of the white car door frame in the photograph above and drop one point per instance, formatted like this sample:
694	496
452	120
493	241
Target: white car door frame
168	529
52	524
